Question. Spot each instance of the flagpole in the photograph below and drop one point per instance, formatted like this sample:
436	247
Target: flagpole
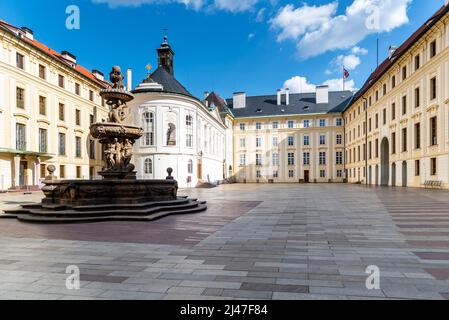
343	71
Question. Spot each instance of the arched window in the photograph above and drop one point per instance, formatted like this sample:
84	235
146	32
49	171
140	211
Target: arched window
148	166
148	128
189	131
190	167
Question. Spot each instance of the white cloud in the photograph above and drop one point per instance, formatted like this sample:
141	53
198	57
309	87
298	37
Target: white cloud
235	5
251	36
359	51
350	62
318	29
261	15
300	84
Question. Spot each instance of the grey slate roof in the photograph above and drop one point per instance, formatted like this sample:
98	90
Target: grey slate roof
168	82
300	104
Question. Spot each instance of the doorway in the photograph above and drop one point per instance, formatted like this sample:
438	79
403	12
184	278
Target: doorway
23	174
404	174
384	163
393	174
200	169
306	176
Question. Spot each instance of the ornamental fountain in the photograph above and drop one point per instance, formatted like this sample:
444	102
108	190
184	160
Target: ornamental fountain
119	195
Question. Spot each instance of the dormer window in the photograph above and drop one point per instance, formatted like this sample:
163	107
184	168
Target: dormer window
306	108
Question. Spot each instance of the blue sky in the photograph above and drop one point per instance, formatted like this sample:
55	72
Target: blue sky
257	46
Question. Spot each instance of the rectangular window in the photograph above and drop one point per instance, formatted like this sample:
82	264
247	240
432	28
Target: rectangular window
291	141
384	89
339	158
258	159
369	125
404	105
306	123
393	111
417	136
339	173
20	98
322	160
275	174
377	148
433	166
393	82
77	88
370	150
258	126
242	127
322	122
242	143
61	112
258	142
258	174
393	143
78	117
322	139
20	61
291	173
417	98
62	172
43	169
42	140
275	125
377	121
306	158
42	105
306	140
291	124
404	140
433	131
417	62
61	146
42	72
339	139
339	122
92	149
291	159
275	142
91	95
433	49
384	116
433	88
275	159
322	173
242	160
404	72
417	168
77	147
20	137
78	172
61	81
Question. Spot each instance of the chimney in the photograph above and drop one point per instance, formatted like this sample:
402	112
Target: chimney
239	100
98	74
287	96
391	51
279	97
129	80
322	94
206	94
69	57
28	33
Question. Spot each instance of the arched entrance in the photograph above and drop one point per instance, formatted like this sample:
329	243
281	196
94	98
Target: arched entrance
393	174
404	173
384	162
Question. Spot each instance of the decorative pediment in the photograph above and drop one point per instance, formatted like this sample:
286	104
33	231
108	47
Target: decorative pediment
404	121
417	115
432	108
41	120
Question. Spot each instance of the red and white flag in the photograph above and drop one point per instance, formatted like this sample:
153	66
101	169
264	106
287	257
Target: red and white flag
345	73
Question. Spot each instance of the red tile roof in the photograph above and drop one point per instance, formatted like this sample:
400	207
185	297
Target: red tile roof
54	54
388	63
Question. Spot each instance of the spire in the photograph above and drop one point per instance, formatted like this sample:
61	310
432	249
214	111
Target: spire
165	56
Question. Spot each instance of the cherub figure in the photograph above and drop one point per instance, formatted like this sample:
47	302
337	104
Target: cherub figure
116	77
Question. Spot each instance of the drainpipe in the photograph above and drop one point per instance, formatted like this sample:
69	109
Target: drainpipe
366	140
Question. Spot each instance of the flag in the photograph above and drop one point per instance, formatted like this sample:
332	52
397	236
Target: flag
345	73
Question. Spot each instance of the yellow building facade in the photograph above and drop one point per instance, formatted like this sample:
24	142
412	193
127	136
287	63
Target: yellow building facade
47	103
397	126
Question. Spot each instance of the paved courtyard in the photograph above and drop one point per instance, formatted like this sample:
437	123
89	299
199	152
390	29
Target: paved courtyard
254	242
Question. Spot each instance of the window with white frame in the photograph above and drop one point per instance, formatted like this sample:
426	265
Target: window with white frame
275	125
322	173
322	139
242	127
190	166
322	122
148	128
275	174
306	157
291	141
322	159
258	159
339	139
148	166
242	143
189	131
291	124
306	123
339	122
258	126
258	142
276	159
291	173
291	159
306	140
339	158
242	160
339	174
275	142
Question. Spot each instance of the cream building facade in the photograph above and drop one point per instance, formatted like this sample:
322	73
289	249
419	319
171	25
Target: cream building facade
397	126
47	103
289	138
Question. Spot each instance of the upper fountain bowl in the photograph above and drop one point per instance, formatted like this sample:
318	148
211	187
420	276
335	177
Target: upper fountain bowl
112	94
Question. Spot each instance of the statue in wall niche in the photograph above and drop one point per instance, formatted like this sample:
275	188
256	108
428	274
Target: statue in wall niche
171	135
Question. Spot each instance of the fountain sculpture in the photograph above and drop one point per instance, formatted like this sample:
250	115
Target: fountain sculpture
119	195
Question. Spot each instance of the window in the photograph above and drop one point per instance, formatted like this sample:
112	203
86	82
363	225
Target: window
433	49
306	123
417	136
433	131
77	88
189	131
417	168
42	72
77	117
258	159
404	72
62	172
91	95
322	173
306	158
384	116
404	140
322	122
291	159
242	143
20	98
275	142
275	125
393	111
339	139
148	128
42	105
43	169
306	140
370	150
20	61
20	137
291	124
91	119
78	172
322	139
242	127
190	166
417	62
258	142
377	120
339	158
61	146
339	173
433	88
433	166
369	125
339	122
404	105
291	141
393	143
61	81
276	159
258	126
393	82
377	95
258	174
384	89
242	160
291	173
275	174
417	98
77	147
42	140
148	166
61	112
376	146
322	160
92	149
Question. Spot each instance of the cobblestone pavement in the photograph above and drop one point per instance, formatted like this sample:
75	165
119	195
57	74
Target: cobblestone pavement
254	242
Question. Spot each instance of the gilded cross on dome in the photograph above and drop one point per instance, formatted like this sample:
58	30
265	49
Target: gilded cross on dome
149	67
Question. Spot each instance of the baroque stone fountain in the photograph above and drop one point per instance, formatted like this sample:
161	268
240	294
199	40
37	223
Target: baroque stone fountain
119	195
